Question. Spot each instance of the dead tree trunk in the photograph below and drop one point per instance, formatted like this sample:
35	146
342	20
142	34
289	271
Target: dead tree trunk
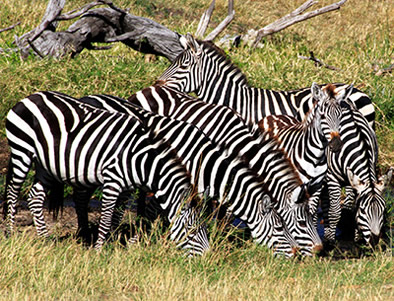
112	24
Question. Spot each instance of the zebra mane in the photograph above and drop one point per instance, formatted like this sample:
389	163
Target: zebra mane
369	137
309	116
266	140
211	47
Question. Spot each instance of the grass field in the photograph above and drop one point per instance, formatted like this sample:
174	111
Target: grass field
357	39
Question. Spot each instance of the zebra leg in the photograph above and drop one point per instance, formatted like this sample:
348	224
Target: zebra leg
81	199
35	200
313	204
18	169
148	210
111	193
119	209
334	210
349	202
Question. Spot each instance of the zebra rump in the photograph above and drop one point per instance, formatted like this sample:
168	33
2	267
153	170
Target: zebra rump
85	147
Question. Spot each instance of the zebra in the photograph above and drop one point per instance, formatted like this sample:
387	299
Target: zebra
304	231
245	191
305	142
76	144
356	164
204	69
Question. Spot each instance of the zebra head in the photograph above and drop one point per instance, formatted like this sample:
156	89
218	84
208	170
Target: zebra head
296	216
300	225
328	113
370	204
269	229
185	73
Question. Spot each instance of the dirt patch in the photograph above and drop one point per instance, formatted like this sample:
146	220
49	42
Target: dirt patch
4	156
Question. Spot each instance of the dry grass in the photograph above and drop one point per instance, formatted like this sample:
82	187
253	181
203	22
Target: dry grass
42	270
352	39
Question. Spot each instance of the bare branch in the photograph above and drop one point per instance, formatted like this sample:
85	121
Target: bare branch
204	21
318	63
206	17
383	71
111	5
295	17
231	12
9	27
75	14
53	10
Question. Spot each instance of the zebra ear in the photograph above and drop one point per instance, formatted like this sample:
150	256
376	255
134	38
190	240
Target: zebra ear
317	92
384	180
346	95
183	42
356	182
265	204
192	44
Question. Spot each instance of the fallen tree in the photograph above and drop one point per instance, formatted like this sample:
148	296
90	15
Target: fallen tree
111	24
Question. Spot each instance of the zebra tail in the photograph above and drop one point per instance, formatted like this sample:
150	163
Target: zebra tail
56	199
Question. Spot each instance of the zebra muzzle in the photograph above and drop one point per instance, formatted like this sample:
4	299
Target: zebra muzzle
335	143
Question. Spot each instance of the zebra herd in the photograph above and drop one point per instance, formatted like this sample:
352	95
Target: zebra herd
268	158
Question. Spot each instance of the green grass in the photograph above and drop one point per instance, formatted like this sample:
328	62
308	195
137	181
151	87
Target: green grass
353	39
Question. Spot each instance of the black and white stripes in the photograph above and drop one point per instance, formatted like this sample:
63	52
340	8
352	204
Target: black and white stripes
219	166
85	147
205	70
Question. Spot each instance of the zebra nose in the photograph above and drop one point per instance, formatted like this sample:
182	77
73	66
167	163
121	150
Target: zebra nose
317	248
335	143
374	239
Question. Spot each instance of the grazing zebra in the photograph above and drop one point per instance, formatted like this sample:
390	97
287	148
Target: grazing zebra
85	147
305	142
204	69
295	216
356	164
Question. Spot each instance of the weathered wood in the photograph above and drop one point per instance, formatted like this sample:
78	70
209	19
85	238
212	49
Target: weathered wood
204	21
113	24
295	17
48	22
110	24
206	17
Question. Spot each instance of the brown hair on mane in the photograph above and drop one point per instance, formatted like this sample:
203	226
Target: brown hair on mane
331	90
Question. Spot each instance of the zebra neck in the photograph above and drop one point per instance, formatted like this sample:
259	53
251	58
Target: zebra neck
222	85
230	88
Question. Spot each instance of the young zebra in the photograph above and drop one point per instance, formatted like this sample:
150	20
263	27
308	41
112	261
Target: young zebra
305	142
204	69
76	144
356	165
295	216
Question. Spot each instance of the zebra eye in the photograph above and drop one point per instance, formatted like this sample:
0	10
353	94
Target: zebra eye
302	224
